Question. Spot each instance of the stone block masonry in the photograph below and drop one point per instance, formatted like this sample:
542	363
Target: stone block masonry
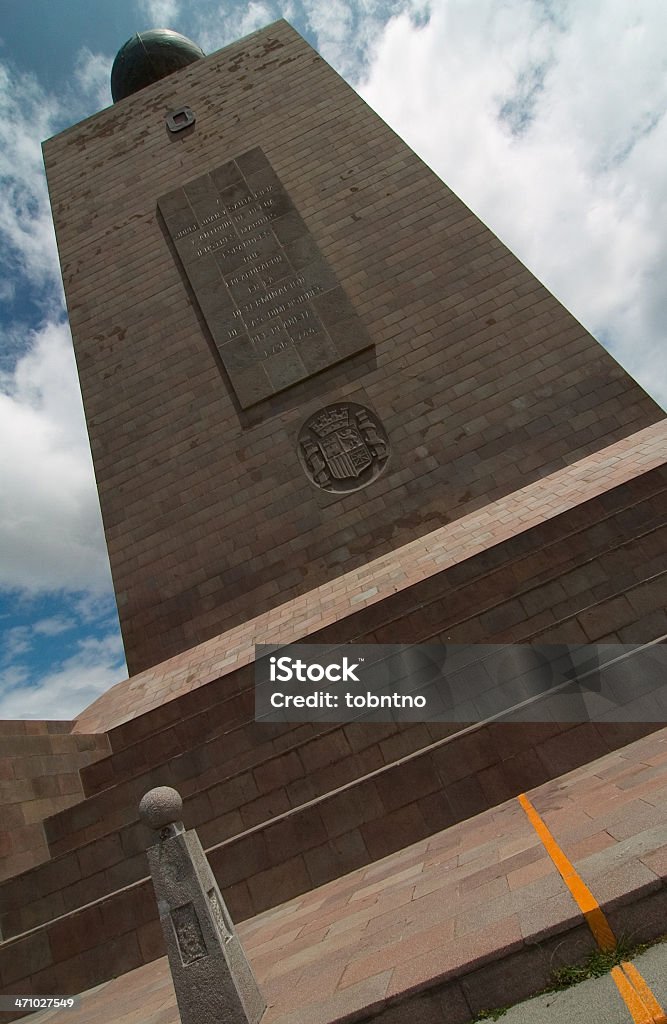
39	775
481	380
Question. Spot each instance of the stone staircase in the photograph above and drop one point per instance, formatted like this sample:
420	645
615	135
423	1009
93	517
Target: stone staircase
90	913
40	764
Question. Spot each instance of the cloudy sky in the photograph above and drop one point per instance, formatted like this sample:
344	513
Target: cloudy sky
547	117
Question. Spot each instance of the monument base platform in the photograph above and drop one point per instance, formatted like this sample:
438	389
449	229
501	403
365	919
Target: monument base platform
472	918
286	812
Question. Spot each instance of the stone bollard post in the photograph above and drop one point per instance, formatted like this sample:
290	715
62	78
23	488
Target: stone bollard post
212	978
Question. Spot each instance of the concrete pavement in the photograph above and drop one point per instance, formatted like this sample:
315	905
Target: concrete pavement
597	1001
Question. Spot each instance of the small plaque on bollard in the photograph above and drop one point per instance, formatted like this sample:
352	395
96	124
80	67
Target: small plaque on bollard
188	932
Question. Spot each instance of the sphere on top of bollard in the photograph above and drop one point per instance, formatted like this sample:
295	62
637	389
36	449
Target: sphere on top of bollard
160	807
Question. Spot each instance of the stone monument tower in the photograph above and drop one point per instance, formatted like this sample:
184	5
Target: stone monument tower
325	404
298	349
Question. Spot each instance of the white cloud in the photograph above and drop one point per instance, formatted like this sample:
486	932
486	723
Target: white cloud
13	678
92	73
218	25
19	640
346	30
332	24
552	130
161	13
16	641
343	30
53	625
26	230
50	529
7	290
30	115
91	606
69	688
256	15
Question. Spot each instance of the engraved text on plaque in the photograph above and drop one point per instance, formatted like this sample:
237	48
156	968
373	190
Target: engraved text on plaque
273	305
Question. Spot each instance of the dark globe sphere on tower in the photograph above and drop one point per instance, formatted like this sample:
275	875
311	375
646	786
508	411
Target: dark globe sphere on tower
149	56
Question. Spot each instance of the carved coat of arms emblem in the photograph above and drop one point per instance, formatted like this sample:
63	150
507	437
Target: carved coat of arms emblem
189	935
343	447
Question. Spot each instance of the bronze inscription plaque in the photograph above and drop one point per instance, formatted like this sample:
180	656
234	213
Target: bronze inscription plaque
273	305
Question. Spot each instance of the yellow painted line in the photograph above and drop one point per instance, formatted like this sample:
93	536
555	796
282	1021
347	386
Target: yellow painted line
639	999
581	894
658	1015
638	1011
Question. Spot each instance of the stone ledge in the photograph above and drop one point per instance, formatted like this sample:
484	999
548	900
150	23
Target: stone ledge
515	513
